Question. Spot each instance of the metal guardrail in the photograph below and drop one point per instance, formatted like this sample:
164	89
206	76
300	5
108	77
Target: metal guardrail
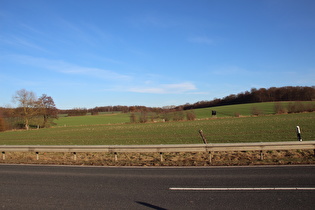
162	148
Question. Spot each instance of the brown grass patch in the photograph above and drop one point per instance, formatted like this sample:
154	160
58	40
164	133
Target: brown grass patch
168	159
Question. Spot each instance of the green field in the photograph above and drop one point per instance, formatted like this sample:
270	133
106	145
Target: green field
232	129
205	113
110	118
117	118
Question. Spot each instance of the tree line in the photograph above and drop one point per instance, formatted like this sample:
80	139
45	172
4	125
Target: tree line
273	94
118	108
31	111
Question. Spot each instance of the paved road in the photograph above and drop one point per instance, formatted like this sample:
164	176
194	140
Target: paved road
63	187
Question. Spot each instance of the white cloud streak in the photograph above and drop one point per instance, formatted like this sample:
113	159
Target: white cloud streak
201	40
153	20
166	88
21	42
230	71
69	68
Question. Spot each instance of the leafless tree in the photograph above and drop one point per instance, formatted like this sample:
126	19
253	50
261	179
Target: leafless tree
28	105
47	109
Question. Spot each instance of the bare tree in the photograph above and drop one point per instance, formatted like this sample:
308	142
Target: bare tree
28	105
47	109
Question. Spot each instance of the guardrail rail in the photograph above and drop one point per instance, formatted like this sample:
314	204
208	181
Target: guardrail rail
209	148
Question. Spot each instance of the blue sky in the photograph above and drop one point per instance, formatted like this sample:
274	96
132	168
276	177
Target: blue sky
87	53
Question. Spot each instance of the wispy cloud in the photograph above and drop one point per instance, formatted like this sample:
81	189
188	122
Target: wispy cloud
230	71
85	32
201	40
31	29
69	68
152	20
166	88
21	42
17	81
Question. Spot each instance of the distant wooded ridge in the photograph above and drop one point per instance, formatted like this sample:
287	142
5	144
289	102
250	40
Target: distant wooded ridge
273	94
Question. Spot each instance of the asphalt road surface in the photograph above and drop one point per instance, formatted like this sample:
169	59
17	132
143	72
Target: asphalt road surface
69	187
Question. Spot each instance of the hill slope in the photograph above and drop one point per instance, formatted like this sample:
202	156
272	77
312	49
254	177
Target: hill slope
265	108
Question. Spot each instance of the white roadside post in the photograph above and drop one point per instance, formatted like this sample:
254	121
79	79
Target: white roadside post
298	132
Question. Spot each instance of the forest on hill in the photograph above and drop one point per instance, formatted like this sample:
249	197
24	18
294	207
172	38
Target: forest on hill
273	94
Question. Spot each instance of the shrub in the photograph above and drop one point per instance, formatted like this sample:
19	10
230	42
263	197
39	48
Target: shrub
153	116
296	107
94	113
178	116
190	115
143	117
256	111
279	109
2	125
166	116
310	107
133	118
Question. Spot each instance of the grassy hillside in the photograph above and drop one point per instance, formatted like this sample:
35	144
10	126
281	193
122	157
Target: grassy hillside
266	108
232	110
222	111
243	129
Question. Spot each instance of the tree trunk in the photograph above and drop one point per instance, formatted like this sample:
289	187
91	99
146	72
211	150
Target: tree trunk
27	127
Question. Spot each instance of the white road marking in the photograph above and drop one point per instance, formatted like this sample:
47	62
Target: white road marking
241	188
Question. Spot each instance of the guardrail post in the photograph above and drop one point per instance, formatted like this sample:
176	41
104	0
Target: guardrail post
210	157
74	156
161	156
3	155
37	156
116	157
261	155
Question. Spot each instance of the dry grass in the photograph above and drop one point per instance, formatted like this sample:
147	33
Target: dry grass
168	159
